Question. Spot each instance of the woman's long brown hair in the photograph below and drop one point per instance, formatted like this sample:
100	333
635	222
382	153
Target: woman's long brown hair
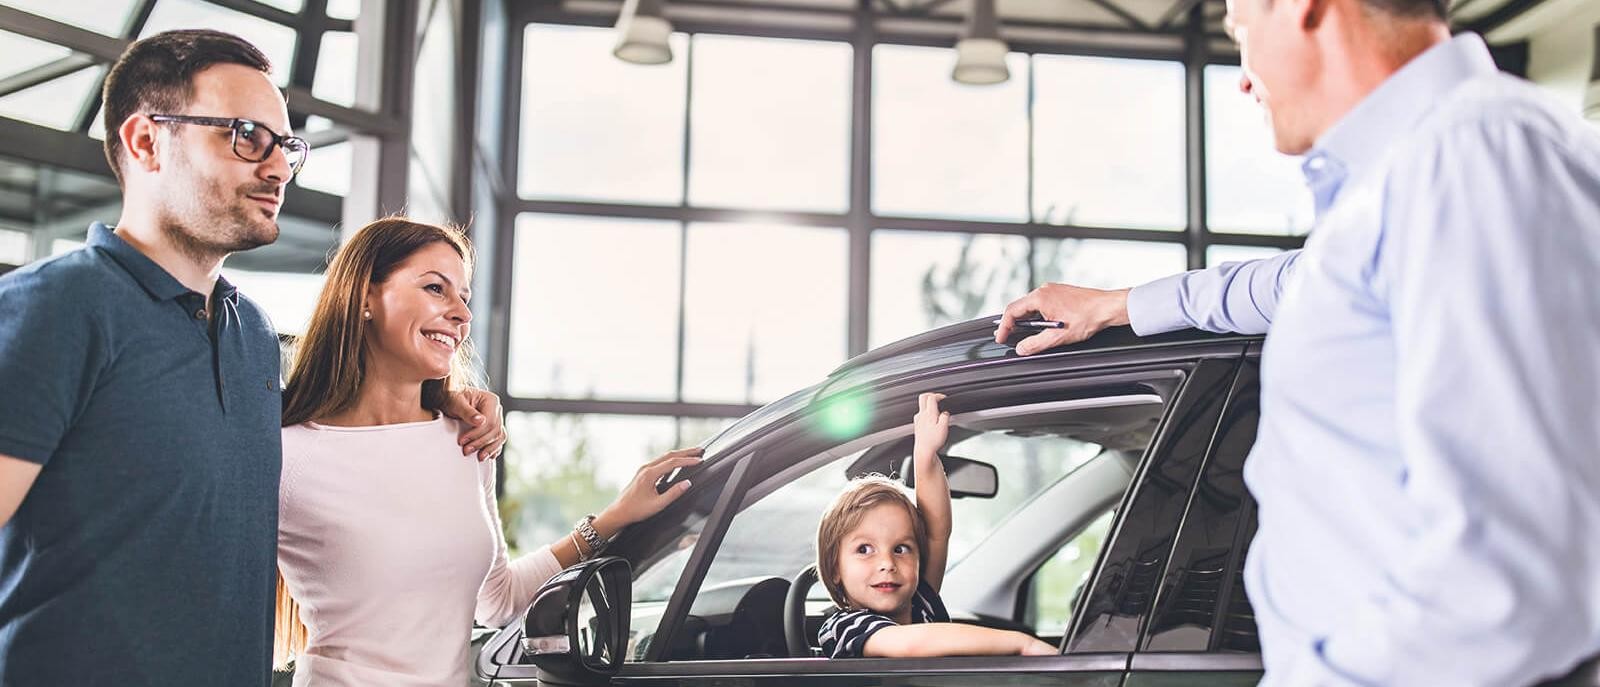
330	359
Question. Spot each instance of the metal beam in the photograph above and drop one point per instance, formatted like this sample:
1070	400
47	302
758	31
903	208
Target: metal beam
1130	18
107	49
1194	72
1179	9
866	218
859	220
926	8
308	46
102	48
259	11
505	220
1256	240
937	31
48	71
91	107
469	84
45	146
1500	16
357	120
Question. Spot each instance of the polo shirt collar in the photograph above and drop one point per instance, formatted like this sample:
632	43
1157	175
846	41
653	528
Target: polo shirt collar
156	281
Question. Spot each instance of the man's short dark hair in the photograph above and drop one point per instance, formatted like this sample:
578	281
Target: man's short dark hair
156	76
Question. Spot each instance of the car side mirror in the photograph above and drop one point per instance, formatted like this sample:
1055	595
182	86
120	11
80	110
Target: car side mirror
576	629
967	477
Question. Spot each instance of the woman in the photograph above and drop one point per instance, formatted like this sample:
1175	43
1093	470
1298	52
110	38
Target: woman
389	541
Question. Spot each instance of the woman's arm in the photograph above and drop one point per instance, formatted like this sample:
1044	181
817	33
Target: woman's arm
952	639
510	585
932	428
638	500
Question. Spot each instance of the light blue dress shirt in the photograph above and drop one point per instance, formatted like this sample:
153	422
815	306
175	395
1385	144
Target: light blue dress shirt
1428	460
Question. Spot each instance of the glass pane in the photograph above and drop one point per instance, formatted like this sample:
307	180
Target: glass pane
595	127
1030	461
922	280
1105	264
1108	142
13	247
947	149
109	17
24	53
60	246
693	431
770	123
764	310
55	103
335	80
97	126
433	120
1250	186
1060	580
778	534
589	319
344	9
560	467
328	169
287	297
1216	255
276	41
285	5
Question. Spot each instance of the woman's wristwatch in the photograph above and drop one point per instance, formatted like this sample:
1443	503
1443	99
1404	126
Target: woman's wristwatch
591	537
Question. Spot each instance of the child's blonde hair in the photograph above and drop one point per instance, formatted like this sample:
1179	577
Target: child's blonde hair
846	512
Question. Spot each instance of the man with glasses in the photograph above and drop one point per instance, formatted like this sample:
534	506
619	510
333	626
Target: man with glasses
140	413
1428	459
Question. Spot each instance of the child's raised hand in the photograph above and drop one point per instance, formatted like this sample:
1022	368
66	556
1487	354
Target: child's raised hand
931	426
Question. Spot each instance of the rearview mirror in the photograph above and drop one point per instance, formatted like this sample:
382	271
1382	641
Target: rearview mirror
967	477
576	629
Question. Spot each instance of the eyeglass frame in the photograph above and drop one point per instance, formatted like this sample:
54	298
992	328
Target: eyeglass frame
233	124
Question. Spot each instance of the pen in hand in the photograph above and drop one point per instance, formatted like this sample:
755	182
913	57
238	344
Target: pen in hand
1037	324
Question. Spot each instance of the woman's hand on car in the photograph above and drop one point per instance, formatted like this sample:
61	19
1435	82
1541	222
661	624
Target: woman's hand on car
640	500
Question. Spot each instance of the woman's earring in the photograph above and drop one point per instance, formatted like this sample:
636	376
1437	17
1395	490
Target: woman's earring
366	314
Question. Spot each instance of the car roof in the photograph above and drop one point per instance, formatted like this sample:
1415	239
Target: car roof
974	340
948	347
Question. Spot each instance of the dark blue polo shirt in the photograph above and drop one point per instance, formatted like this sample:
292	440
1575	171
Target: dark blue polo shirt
145	552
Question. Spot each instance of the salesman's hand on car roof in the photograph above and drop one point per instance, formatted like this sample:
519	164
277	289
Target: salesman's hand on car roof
1083	311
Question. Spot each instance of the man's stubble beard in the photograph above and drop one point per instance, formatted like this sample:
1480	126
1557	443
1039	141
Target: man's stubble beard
210	224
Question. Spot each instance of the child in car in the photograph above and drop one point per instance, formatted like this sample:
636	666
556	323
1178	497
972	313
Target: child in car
882	557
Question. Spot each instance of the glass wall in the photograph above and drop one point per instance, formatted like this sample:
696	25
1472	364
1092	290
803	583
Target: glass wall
684	241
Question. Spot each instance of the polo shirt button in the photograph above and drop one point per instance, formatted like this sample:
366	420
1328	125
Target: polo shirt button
200	314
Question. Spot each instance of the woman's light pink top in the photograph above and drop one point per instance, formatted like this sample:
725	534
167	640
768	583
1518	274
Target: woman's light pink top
390	541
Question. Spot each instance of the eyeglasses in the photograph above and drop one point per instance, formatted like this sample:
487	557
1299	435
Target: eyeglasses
252	140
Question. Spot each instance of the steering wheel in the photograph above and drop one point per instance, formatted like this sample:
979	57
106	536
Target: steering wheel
794	613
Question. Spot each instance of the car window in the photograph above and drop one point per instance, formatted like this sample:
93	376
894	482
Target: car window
1203	607
1053	591
1035	450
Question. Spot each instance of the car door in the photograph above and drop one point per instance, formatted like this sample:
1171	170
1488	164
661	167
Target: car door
1186	425
1202	631
682	545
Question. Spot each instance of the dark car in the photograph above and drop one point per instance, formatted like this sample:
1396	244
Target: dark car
1099	505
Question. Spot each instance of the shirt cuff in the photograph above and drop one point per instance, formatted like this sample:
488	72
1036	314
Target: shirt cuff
1156	307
